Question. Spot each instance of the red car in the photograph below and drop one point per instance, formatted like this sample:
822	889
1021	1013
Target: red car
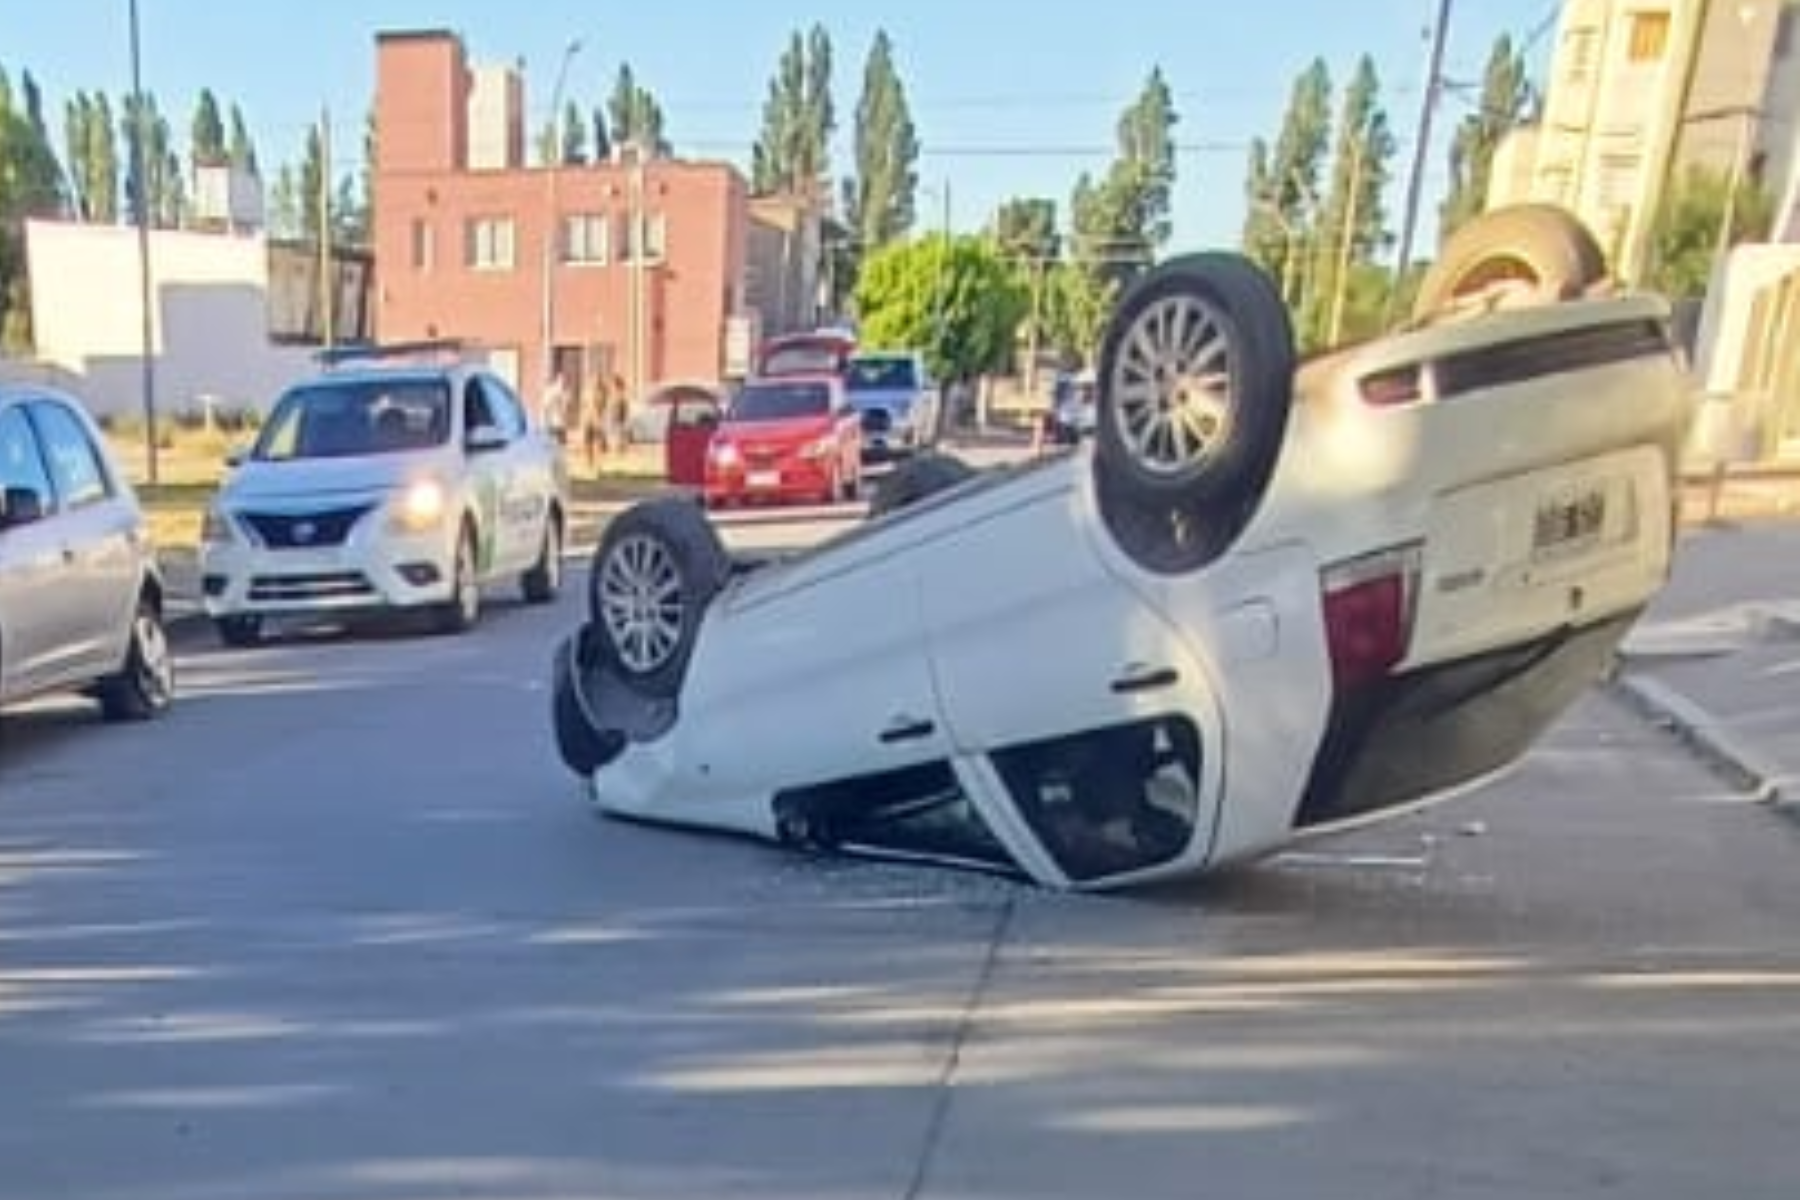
793	438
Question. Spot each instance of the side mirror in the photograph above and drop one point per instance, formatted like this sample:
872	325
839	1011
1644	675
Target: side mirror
20	506
485	439
237	456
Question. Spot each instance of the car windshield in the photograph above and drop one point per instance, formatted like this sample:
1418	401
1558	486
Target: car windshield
809	357
352	419
781	401
881	374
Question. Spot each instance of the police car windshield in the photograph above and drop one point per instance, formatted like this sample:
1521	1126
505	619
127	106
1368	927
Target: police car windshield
351	419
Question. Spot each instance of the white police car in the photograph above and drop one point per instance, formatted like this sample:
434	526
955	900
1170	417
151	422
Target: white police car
1266	600
386	484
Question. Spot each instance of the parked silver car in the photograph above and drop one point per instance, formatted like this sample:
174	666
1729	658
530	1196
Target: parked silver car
81	603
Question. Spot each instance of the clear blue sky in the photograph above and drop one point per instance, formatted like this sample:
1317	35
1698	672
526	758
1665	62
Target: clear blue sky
1010	97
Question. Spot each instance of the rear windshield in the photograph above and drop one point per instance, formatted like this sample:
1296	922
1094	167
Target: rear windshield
352	419
881	374
781	401
821	356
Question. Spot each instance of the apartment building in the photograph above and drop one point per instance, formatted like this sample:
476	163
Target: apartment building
633	267
1641	90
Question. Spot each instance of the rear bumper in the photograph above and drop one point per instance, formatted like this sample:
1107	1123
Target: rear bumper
1407	738
789	479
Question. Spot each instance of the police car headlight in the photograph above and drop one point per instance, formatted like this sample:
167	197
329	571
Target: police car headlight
215	527
420	507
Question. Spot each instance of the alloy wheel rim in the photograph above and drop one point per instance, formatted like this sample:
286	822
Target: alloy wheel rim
156	665
1173	385
641	603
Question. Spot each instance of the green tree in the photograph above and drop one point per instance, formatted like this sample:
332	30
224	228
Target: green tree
574	136
1282	189
880	200
242	151
1685	243
309	184
91	152
1508	101
957	299
207	144
792	153
161	191
1076	307
603	147
30	186
1352	225
287	221
637	117
1120	221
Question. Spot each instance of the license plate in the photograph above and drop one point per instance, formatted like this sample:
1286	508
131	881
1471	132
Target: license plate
763	479
1570	519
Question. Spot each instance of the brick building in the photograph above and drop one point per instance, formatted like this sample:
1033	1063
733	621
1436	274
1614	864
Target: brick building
472	243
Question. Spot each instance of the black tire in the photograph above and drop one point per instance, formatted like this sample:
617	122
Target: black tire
459	613
581	743
1539	246
239	632
915	478
657	567
145	684
541	584
1196	379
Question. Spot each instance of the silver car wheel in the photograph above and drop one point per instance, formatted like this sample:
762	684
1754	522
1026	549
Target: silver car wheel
641	603
1173	385
155	662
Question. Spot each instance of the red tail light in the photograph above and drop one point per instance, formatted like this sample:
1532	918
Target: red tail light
1368	613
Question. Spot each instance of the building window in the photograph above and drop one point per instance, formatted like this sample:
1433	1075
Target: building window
424	248
587	239
656	239
1620	177
1649	37
490	244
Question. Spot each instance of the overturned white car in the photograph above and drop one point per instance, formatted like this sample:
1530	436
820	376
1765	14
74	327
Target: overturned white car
1270	599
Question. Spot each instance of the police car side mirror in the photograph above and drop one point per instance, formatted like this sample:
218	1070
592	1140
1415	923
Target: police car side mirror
485	439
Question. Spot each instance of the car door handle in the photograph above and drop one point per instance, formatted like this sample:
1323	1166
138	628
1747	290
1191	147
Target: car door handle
907	729
1141	678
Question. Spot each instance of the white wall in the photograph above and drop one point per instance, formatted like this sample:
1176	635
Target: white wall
209	318
1738	280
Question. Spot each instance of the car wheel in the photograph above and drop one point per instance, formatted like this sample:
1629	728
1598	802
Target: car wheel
658	566
239	631
463	609
915	478
581	743
541	584
1537	248
1196	374
145	685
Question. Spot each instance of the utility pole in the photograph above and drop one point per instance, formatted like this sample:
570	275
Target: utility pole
327	318
146	292
547	261
1415	183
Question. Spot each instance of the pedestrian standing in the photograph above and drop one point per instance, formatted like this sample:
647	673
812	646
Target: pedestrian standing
553	409
593	421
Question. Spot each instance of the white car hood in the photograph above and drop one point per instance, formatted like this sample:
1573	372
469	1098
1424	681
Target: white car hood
311	481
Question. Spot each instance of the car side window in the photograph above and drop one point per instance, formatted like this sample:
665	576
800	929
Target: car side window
505	408
76	469
477	413
21	462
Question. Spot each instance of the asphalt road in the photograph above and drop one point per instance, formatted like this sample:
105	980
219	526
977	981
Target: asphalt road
341	927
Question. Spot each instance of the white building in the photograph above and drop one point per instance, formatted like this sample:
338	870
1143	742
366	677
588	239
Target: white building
210	318
1641	90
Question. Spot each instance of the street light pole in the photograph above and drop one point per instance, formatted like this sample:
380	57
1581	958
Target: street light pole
147	347
1415	183
552	168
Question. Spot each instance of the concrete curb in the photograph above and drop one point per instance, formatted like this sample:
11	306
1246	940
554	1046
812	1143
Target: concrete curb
1702	733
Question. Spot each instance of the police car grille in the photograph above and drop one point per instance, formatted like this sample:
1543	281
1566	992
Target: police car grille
330	585
286	531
